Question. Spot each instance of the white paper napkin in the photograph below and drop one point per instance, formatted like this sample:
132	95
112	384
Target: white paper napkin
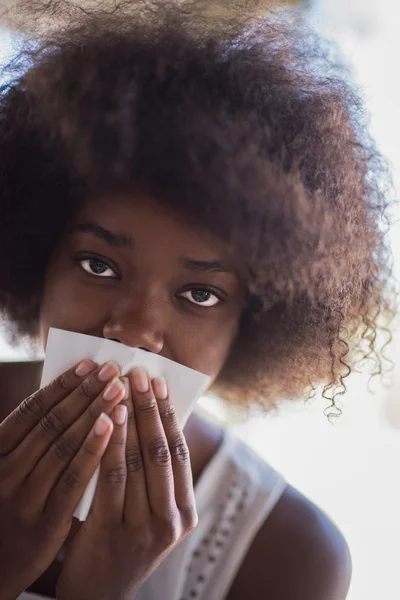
65	348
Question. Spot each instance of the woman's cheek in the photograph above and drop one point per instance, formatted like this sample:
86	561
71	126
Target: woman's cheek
206	347
64	307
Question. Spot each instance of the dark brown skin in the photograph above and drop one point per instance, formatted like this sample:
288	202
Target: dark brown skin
142	298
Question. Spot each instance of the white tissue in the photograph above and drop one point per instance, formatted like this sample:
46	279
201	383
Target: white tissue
66	348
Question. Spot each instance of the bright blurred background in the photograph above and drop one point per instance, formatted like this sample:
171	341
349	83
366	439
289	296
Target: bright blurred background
350	469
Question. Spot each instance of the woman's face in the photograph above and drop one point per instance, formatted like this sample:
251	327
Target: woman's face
137	273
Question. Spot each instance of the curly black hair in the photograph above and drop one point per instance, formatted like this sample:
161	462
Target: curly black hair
248	127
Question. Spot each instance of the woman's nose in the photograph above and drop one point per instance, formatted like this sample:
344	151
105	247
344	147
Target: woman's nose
139	328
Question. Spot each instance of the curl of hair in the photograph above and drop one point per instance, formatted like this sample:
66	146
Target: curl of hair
248	127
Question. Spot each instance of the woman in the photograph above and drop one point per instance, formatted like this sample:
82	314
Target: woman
210	195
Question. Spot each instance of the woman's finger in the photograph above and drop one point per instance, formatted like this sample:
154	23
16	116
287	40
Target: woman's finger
182	471
15	428
108	507
52	431
137	508
154	445
51	466
66	495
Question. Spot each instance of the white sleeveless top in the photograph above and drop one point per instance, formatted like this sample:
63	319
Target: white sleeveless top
234	495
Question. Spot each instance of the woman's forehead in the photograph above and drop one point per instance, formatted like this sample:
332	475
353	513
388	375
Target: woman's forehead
137	221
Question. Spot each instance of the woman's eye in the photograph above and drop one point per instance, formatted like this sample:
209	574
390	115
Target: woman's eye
201	297
96	267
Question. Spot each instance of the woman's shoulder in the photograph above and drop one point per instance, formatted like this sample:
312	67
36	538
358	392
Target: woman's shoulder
19	379
298	553
8	366
20	367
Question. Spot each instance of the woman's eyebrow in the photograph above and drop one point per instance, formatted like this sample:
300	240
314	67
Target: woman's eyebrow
120	240
207	266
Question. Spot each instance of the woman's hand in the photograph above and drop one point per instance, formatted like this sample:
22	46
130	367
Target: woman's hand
144	504
50	447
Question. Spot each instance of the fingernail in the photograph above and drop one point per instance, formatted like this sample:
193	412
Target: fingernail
140	380
109	369
160	388
102	424
113	389
119	414
125	381
85	367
